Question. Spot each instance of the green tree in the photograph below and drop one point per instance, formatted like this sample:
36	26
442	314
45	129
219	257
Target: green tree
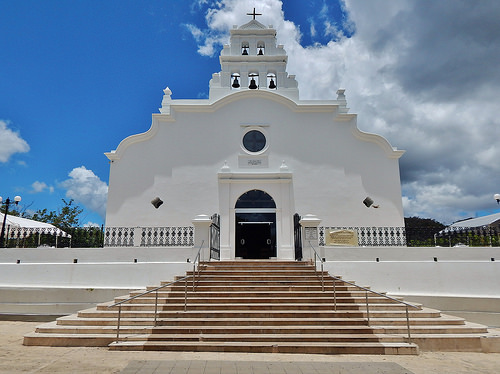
65	218
420	231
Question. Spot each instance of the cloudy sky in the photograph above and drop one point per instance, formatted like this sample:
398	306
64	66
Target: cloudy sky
76	77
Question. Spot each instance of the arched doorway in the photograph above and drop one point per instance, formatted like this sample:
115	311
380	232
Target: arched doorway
255	229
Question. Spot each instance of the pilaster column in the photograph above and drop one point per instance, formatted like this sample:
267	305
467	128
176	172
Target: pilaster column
201	225
309	224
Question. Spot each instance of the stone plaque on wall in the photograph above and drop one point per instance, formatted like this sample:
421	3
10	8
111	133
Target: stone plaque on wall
342	237
311	233
257	161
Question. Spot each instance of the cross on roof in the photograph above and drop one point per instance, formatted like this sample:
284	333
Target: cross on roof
254	14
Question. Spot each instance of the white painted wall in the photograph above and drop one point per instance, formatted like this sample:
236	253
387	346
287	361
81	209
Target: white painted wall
332	165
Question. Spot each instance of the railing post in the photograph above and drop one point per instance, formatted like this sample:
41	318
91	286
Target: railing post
194	273
322	279
367	308
408	324
118	323
185	294
334	295
156	306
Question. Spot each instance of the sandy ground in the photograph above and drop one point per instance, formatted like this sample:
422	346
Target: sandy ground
16	358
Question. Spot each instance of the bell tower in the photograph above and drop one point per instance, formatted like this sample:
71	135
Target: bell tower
253	61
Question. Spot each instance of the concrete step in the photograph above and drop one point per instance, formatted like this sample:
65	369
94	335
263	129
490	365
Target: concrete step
148	328
257	294
256	264
221	283
272	347
147	311
263	300
259	272
264	277
68	340
261	306
263	337
255	287
179	306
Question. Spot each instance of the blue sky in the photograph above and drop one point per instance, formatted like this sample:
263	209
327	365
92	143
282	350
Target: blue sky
77	77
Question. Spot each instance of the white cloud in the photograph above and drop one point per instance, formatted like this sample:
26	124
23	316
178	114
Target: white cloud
38	187
425	77
91	224
10	142
86	188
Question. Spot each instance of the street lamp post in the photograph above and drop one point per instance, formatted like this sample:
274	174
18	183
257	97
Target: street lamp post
17	199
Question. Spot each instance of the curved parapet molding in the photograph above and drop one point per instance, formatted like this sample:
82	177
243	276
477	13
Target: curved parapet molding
310	106
390	151
132	139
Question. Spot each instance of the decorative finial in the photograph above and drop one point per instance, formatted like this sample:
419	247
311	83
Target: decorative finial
225	168
284	166
167	100
254	14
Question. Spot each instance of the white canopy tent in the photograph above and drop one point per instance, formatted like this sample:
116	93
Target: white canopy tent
20	228
486	226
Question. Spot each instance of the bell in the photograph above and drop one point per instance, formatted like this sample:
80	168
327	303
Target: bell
245	52
236	84
260	52
271	84
253	85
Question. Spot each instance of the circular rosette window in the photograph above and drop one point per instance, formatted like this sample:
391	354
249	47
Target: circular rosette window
254	141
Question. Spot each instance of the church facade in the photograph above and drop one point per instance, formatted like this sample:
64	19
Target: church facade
256	155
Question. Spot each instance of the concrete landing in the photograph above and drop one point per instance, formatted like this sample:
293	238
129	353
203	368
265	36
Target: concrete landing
259	367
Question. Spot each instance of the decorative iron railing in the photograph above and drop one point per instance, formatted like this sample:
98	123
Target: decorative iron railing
481	236
119	237
170	236
182	236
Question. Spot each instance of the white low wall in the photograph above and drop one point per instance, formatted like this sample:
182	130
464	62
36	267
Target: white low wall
96	268
64	280
451	279
461	281
420	271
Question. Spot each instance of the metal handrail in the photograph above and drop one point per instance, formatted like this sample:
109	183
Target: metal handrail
185	279
197	259
366	297
315	271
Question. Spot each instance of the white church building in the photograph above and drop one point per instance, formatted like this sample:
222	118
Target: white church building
256	155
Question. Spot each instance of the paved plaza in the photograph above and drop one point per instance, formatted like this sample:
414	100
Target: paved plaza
16	358
261	367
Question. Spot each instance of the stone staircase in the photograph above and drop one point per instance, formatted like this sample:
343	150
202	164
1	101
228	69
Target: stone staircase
262	306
